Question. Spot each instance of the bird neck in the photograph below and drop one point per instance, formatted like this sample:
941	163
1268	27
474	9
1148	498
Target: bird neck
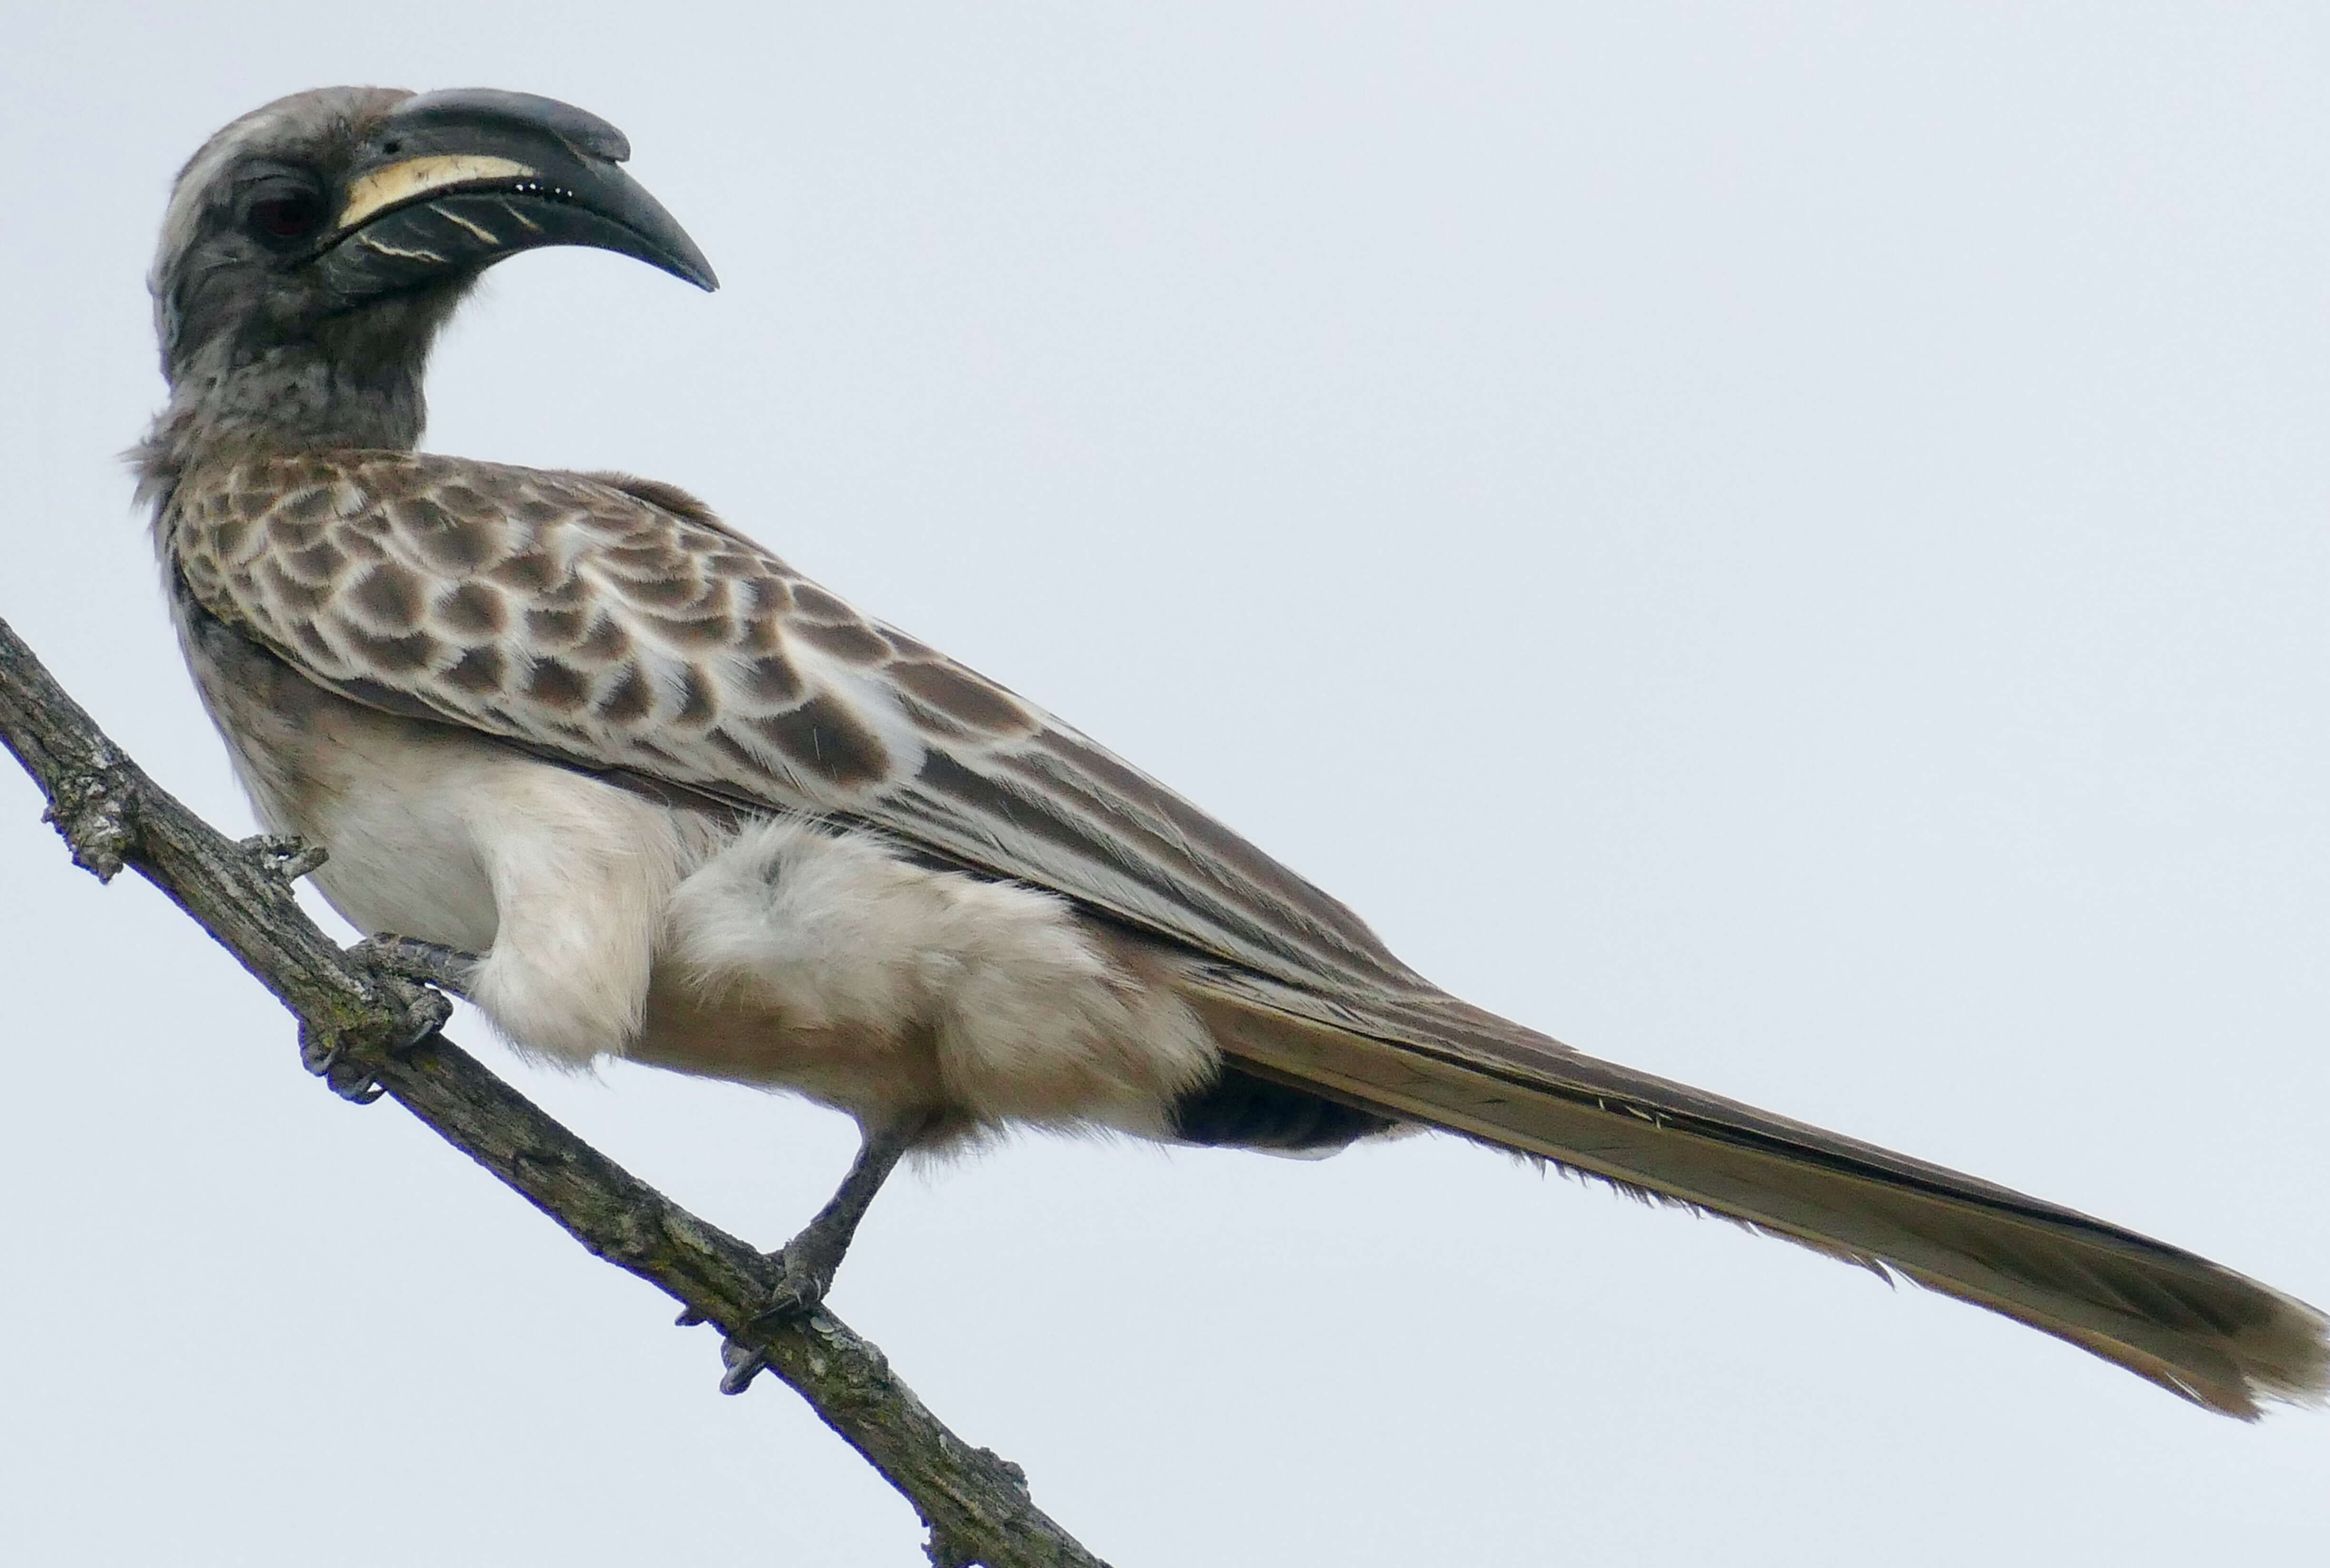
351	382
288	398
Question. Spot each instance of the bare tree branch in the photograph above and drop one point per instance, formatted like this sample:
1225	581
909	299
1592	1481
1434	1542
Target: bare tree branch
368	1033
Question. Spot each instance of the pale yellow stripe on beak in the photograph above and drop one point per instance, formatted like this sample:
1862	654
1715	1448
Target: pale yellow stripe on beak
419	177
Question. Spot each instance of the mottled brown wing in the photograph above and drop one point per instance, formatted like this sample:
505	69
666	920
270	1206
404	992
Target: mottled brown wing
616	623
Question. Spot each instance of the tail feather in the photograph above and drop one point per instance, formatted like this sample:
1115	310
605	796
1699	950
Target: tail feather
2194	1328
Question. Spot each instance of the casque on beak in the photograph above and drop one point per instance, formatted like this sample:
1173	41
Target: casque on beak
451	183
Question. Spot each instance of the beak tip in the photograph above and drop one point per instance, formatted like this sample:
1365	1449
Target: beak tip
671	249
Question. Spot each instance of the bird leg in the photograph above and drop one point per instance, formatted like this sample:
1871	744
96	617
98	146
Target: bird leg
812	1257
449	970
809	1262
806	1264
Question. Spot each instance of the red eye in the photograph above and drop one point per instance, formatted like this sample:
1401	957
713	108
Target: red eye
286	217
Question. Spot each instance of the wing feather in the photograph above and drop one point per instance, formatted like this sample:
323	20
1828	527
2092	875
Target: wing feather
619	627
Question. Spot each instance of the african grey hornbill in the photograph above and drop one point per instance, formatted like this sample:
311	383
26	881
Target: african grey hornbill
690	809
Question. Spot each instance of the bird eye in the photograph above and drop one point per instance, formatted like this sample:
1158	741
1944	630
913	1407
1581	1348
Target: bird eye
286	217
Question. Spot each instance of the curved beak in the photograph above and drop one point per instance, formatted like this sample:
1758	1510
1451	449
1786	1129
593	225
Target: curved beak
451	183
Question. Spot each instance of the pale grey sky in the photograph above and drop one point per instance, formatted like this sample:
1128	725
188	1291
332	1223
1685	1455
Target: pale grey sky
1786	545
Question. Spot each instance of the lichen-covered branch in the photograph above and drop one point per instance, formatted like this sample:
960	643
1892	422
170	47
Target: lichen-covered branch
369	1033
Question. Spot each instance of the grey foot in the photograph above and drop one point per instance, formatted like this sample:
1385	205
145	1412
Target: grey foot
401	962
449	970
807	1264
809	1261
325	1056
806	1267
743	1364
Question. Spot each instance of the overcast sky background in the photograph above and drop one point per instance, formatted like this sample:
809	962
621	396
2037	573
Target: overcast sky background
1783	545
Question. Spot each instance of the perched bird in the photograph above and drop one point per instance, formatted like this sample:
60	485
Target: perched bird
595	757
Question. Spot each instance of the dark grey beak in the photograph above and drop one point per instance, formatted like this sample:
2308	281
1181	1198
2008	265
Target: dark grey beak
453	182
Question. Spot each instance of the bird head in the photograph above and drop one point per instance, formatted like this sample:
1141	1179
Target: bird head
313	247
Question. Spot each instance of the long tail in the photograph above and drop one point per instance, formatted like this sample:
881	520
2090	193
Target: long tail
2198	1329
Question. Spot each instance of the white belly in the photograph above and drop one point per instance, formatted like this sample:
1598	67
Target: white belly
784	954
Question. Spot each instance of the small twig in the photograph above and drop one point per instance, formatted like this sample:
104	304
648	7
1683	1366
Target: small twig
367	1030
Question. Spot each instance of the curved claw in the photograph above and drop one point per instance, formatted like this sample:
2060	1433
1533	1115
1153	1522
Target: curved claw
430	1011
800	1287
743	1363
425	1012
323	1058
807	1264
